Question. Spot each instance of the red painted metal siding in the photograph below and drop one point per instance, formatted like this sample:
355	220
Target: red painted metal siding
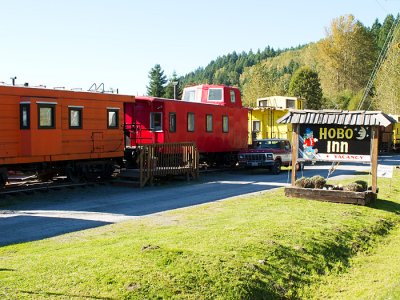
215	141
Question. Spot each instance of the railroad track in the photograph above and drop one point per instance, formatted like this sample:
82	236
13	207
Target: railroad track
27	188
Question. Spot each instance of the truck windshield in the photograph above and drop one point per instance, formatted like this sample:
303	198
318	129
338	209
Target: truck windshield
267	145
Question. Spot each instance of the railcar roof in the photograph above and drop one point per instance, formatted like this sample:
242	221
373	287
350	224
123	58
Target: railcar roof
339	117
61	93
152	99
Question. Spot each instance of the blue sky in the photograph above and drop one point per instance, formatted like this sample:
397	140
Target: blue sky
75	43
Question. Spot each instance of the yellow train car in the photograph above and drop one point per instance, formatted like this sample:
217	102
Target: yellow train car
262	119
396	134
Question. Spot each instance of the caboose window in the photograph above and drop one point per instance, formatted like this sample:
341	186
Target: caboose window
75	117
112	118
290	103
172	122
190	124
25	115
156	121
209	123
215	94
233	97
47	115
225	124
256	126
189	95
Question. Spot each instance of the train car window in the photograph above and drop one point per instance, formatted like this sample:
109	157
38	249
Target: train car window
172	122
190	124
25	115
290	103
112	118
209	123
75	117
233	97
215	94
46	116
156	121
189	95
225	124
256	126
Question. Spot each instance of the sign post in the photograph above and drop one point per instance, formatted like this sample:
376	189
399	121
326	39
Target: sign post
295	151
374	157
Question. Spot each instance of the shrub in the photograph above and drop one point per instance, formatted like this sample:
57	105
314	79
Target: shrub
353	187
300	182
308	183
318	181
363	183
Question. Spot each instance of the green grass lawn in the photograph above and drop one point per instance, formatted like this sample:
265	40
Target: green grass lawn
261	246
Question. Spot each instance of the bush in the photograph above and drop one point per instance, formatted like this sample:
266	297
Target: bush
308	183
318	181
353	187
300	182
363	183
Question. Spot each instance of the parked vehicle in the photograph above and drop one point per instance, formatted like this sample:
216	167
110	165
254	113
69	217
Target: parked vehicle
268	153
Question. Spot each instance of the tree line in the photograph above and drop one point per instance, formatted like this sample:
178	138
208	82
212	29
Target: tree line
331	73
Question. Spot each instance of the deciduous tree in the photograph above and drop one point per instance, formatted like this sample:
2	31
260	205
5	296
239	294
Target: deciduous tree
347	56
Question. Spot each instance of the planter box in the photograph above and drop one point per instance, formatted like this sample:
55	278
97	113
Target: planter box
359	198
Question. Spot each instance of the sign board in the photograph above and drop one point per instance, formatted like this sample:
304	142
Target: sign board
385	171
335	143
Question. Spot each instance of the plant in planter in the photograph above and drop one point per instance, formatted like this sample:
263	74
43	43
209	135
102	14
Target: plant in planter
363	183
317	189
353	187
318	181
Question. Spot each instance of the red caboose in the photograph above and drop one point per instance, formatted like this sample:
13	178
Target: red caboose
52	131
212	116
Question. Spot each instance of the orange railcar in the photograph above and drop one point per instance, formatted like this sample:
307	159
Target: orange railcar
52	131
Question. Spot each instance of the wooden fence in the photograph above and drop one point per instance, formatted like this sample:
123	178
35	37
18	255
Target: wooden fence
168	160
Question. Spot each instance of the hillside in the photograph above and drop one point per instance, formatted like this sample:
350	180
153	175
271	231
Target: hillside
344	61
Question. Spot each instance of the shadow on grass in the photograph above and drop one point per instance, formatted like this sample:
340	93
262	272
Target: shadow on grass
386	205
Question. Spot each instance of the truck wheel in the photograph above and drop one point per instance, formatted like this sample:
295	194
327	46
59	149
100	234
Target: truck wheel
276	169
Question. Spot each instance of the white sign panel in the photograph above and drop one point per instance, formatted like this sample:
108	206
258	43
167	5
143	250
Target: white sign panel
343	157
385	171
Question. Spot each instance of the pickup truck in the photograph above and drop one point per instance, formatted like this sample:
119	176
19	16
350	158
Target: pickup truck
268	153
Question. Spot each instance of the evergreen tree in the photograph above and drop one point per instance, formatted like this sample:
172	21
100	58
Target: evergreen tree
174	87
384	30
305	84
156	87
387	87
375	30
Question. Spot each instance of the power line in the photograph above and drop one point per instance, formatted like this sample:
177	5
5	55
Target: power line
382	57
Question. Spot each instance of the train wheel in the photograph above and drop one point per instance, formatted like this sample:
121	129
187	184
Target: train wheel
74	173
3	177
45	175
108	171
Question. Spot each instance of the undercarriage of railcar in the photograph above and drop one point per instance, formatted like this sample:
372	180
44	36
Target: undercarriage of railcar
74	171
